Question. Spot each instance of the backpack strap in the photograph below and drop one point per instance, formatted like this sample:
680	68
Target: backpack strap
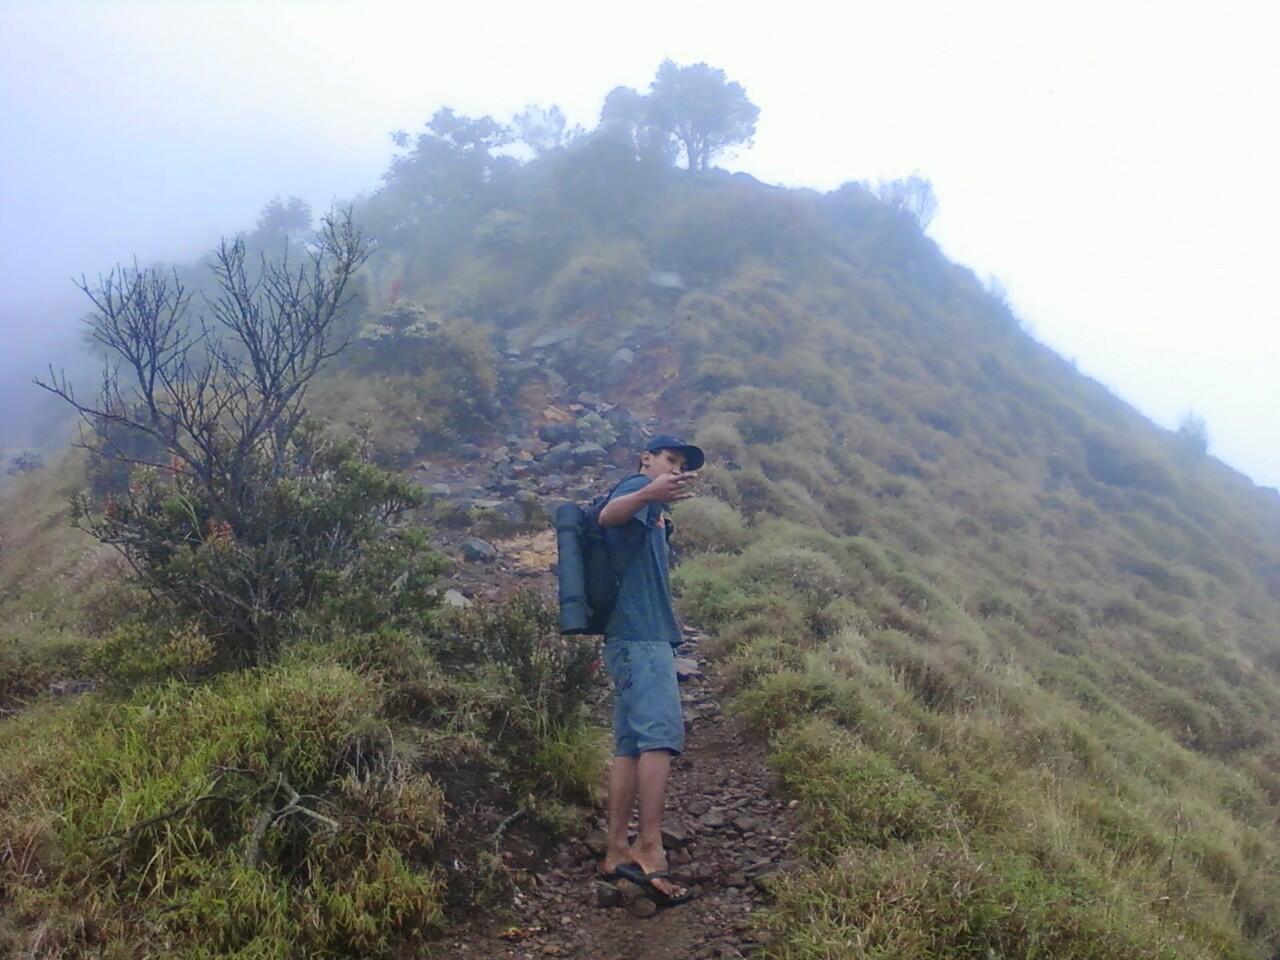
631	555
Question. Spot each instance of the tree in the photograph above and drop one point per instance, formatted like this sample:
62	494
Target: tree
439	180
702	110
279	222
248	516
627	118
1193	434
541	128
913	196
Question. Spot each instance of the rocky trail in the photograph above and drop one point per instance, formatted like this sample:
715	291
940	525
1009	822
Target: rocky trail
725	830
725	833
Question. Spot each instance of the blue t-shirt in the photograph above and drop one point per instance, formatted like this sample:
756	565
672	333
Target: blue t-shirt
644	609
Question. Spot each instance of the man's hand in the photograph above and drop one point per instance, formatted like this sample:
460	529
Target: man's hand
671	487
668	488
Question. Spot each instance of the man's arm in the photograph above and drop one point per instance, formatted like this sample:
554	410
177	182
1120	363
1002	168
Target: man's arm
621	509
668	488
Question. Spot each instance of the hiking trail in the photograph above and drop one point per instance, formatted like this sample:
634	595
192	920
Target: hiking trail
725	829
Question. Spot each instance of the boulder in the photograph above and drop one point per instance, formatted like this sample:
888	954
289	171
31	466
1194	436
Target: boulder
586	454
686	669
558	432
454	598
556	384
559	456
479	551
554	338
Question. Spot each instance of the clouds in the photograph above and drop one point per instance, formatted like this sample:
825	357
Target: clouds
1112	163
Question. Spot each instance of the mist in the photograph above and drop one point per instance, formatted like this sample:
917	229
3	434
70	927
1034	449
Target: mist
1093	185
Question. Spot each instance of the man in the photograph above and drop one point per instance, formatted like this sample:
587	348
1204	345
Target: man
639	639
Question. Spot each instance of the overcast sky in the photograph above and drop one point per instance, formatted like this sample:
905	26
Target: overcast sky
1116	165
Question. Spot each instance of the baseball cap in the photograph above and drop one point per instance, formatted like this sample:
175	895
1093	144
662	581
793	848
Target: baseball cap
693	456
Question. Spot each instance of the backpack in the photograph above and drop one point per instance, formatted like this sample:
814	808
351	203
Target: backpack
590	574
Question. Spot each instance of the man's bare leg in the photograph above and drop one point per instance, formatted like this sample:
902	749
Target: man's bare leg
652	770
623	779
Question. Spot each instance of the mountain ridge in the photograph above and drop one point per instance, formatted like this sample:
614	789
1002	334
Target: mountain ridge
1003	632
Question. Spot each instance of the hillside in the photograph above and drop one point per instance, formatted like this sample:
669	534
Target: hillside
1012	646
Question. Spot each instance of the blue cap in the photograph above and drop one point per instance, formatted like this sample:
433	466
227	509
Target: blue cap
693	456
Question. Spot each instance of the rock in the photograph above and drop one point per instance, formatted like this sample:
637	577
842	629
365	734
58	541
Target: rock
642	907
675	835
715	819
622	357
597	842
469	451
666	279
559	456
479	551
605	895
553	338
558	432
686	669
509	511
586	454
736	879
589	398
701	872
454	598
69	688
556	384
747	824
434	490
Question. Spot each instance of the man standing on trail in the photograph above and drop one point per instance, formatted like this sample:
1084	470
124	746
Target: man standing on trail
640	638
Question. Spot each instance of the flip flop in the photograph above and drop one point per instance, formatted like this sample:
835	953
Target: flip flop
635	874
616	873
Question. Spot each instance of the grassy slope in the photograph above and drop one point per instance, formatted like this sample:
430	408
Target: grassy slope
1007	635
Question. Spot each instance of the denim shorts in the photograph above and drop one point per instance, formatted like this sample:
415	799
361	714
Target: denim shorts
646	697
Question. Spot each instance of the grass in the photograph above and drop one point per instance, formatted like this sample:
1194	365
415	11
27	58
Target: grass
343	801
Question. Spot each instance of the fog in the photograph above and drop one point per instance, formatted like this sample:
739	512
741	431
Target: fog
1112	164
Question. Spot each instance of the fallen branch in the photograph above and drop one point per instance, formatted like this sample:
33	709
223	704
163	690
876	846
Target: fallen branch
507	821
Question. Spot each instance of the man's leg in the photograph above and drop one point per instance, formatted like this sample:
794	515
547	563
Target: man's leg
652	771
622	800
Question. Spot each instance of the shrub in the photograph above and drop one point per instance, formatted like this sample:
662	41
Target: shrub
501	231
708	594
798	570
712	232
521	637
245	571
848	793
720	439
717	373
599	282
707	525
224	818
938	900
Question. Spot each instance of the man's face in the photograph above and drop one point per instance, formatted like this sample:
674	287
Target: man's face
656	463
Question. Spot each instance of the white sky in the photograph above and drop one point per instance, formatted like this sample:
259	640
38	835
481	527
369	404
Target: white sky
1116	164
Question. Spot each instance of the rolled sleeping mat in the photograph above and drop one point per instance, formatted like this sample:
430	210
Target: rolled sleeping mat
575	614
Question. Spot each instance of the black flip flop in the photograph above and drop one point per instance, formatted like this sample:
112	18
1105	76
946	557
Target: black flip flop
635	874
617	872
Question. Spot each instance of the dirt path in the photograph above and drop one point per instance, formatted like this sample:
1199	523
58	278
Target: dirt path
725	832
